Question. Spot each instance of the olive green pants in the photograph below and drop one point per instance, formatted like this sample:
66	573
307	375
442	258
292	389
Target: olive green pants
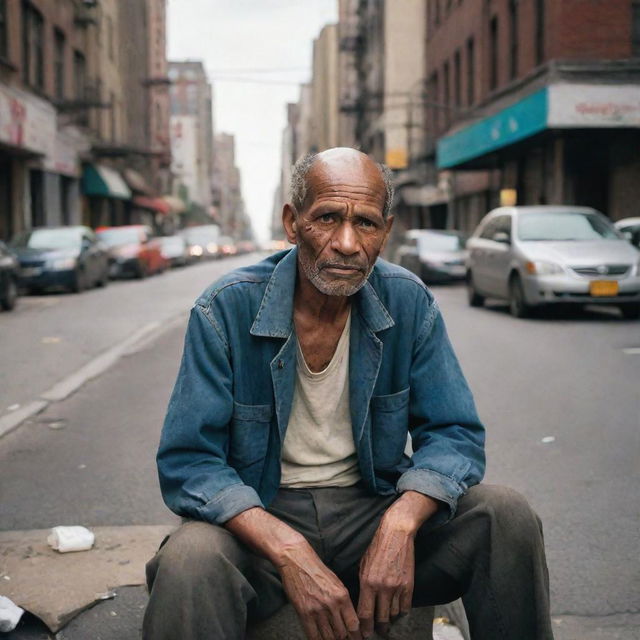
205	584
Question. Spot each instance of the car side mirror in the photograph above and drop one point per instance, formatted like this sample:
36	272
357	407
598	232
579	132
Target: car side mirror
501	236
628	235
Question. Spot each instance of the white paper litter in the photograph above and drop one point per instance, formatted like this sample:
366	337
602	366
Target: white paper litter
548	439
10	614
64	539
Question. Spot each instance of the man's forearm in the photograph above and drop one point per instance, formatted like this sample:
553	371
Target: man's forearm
266	534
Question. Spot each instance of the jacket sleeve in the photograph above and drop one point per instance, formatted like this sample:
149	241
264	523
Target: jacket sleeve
447	435
195	479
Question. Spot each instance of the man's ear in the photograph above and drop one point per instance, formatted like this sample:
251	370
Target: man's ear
289	223
388	225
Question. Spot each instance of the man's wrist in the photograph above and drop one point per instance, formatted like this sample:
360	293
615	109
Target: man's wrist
409	512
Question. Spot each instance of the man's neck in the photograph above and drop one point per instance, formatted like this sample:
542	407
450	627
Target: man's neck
312	303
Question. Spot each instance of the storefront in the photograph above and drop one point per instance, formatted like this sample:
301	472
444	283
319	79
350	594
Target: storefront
106	196
567	143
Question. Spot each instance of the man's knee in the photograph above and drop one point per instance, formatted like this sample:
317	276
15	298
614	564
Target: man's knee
194	552
506	509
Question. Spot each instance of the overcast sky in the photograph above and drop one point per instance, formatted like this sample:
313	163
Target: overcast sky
252	35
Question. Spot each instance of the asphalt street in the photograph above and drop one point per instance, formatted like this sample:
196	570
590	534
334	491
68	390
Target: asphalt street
559	396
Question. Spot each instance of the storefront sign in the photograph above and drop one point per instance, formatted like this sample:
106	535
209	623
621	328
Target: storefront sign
588	105
26	122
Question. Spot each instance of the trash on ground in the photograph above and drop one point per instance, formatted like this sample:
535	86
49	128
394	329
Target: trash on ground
107	595
64	539
13	407
10	614
548	439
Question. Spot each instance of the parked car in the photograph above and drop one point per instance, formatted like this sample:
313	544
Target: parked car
66	257
630	229
202	240
541	255
226	246
133	251
174	250
9	269
433	255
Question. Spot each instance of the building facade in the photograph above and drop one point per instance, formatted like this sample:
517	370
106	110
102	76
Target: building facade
192	130
537	100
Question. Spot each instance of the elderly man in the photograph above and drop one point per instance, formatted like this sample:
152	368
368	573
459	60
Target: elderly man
284	445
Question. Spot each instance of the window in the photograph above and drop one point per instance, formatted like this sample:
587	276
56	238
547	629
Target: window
32	47
539	31
80	75
4	30
110	46
471	72
493	53
437	12
635	29
457	71
434	99
445	90
58	63
513	20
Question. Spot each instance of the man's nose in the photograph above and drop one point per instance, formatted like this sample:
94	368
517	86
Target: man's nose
345	239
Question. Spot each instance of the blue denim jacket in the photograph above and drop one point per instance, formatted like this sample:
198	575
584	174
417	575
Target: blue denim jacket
221	442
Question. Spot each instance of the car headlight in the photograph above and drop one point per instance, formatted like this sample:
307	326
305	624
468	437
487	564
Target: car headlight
62	264
196	250
542	268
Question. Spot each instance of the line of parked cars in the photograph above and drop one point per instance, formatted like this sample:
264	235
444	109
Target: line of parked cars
76	258
535	256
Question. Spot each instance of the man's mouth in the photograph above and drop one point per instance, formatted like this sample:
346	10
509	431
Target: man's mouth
342	269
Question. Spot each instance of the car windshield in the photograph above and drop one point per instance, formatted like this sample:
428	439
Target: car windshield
48	239
564	226
201	234
173	241
115	237
440	242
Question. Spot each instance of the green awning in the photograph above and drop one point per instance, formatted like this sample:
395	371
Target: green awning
104	182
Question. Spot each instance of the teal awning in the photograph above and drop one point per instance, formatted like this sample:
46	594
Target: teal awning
104	182
517	122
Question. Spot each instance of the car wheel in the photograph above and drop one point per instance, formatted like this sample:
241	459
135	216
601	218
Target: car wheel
8	301
630	311
104	279
518	306
79	281
474	298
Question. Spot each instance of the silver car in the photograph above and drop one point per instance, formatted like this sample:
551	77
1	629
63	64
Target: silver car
433	255
540	255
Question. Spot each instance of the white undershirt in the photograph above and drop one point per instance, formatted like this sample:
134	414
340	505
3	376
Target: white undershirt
318	448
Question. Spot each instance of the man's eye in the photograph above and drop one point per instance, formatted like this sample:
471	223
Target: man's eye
326	217
366	223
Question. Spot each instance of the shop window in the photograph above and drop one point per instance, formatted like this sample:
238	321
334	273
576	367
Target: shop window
446	87
80	75
471	72
4	31
32	47
59	52
493	53
513	46
539	5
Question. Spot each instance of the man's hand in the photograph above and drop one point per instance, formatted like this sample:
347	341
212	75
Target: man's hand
387	568
320	599
318	596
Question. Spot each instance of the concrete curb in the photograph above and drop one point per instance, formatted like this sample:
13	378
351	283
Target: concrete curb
142	338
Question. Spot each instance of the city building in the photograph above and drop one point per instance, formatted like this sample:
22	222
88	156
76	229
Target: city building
533	102
80	83
227	190
43	50
192	130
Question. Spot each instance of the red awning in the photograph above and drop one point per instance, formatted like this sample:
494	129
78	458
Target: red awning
154	204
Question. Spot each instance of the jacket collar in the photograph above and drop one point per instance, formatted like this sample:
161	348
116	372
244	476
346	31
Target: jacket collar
275	315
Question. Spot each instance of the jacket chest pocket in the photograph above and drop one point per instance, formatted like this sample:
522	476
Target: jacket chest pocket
249	435
389	428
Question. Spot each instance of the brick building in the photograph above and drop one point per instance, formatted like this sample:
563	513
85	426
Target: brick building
534	101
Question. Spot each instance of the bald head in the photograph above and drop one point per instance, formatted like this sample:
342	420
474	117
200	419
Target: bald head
334	164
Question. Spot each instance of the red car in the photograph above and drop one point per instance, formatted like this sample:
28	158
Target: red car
133	251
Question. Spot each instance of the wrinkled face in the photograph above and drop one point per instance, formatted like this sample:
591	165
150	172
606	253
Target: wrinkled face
341	230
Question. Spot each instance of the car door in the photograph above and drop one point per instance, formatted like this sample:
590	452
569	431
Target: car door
479	247
499	256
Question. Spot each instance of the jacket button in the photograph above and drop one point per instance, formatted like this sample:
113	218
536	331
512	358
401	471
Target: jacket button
280	364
